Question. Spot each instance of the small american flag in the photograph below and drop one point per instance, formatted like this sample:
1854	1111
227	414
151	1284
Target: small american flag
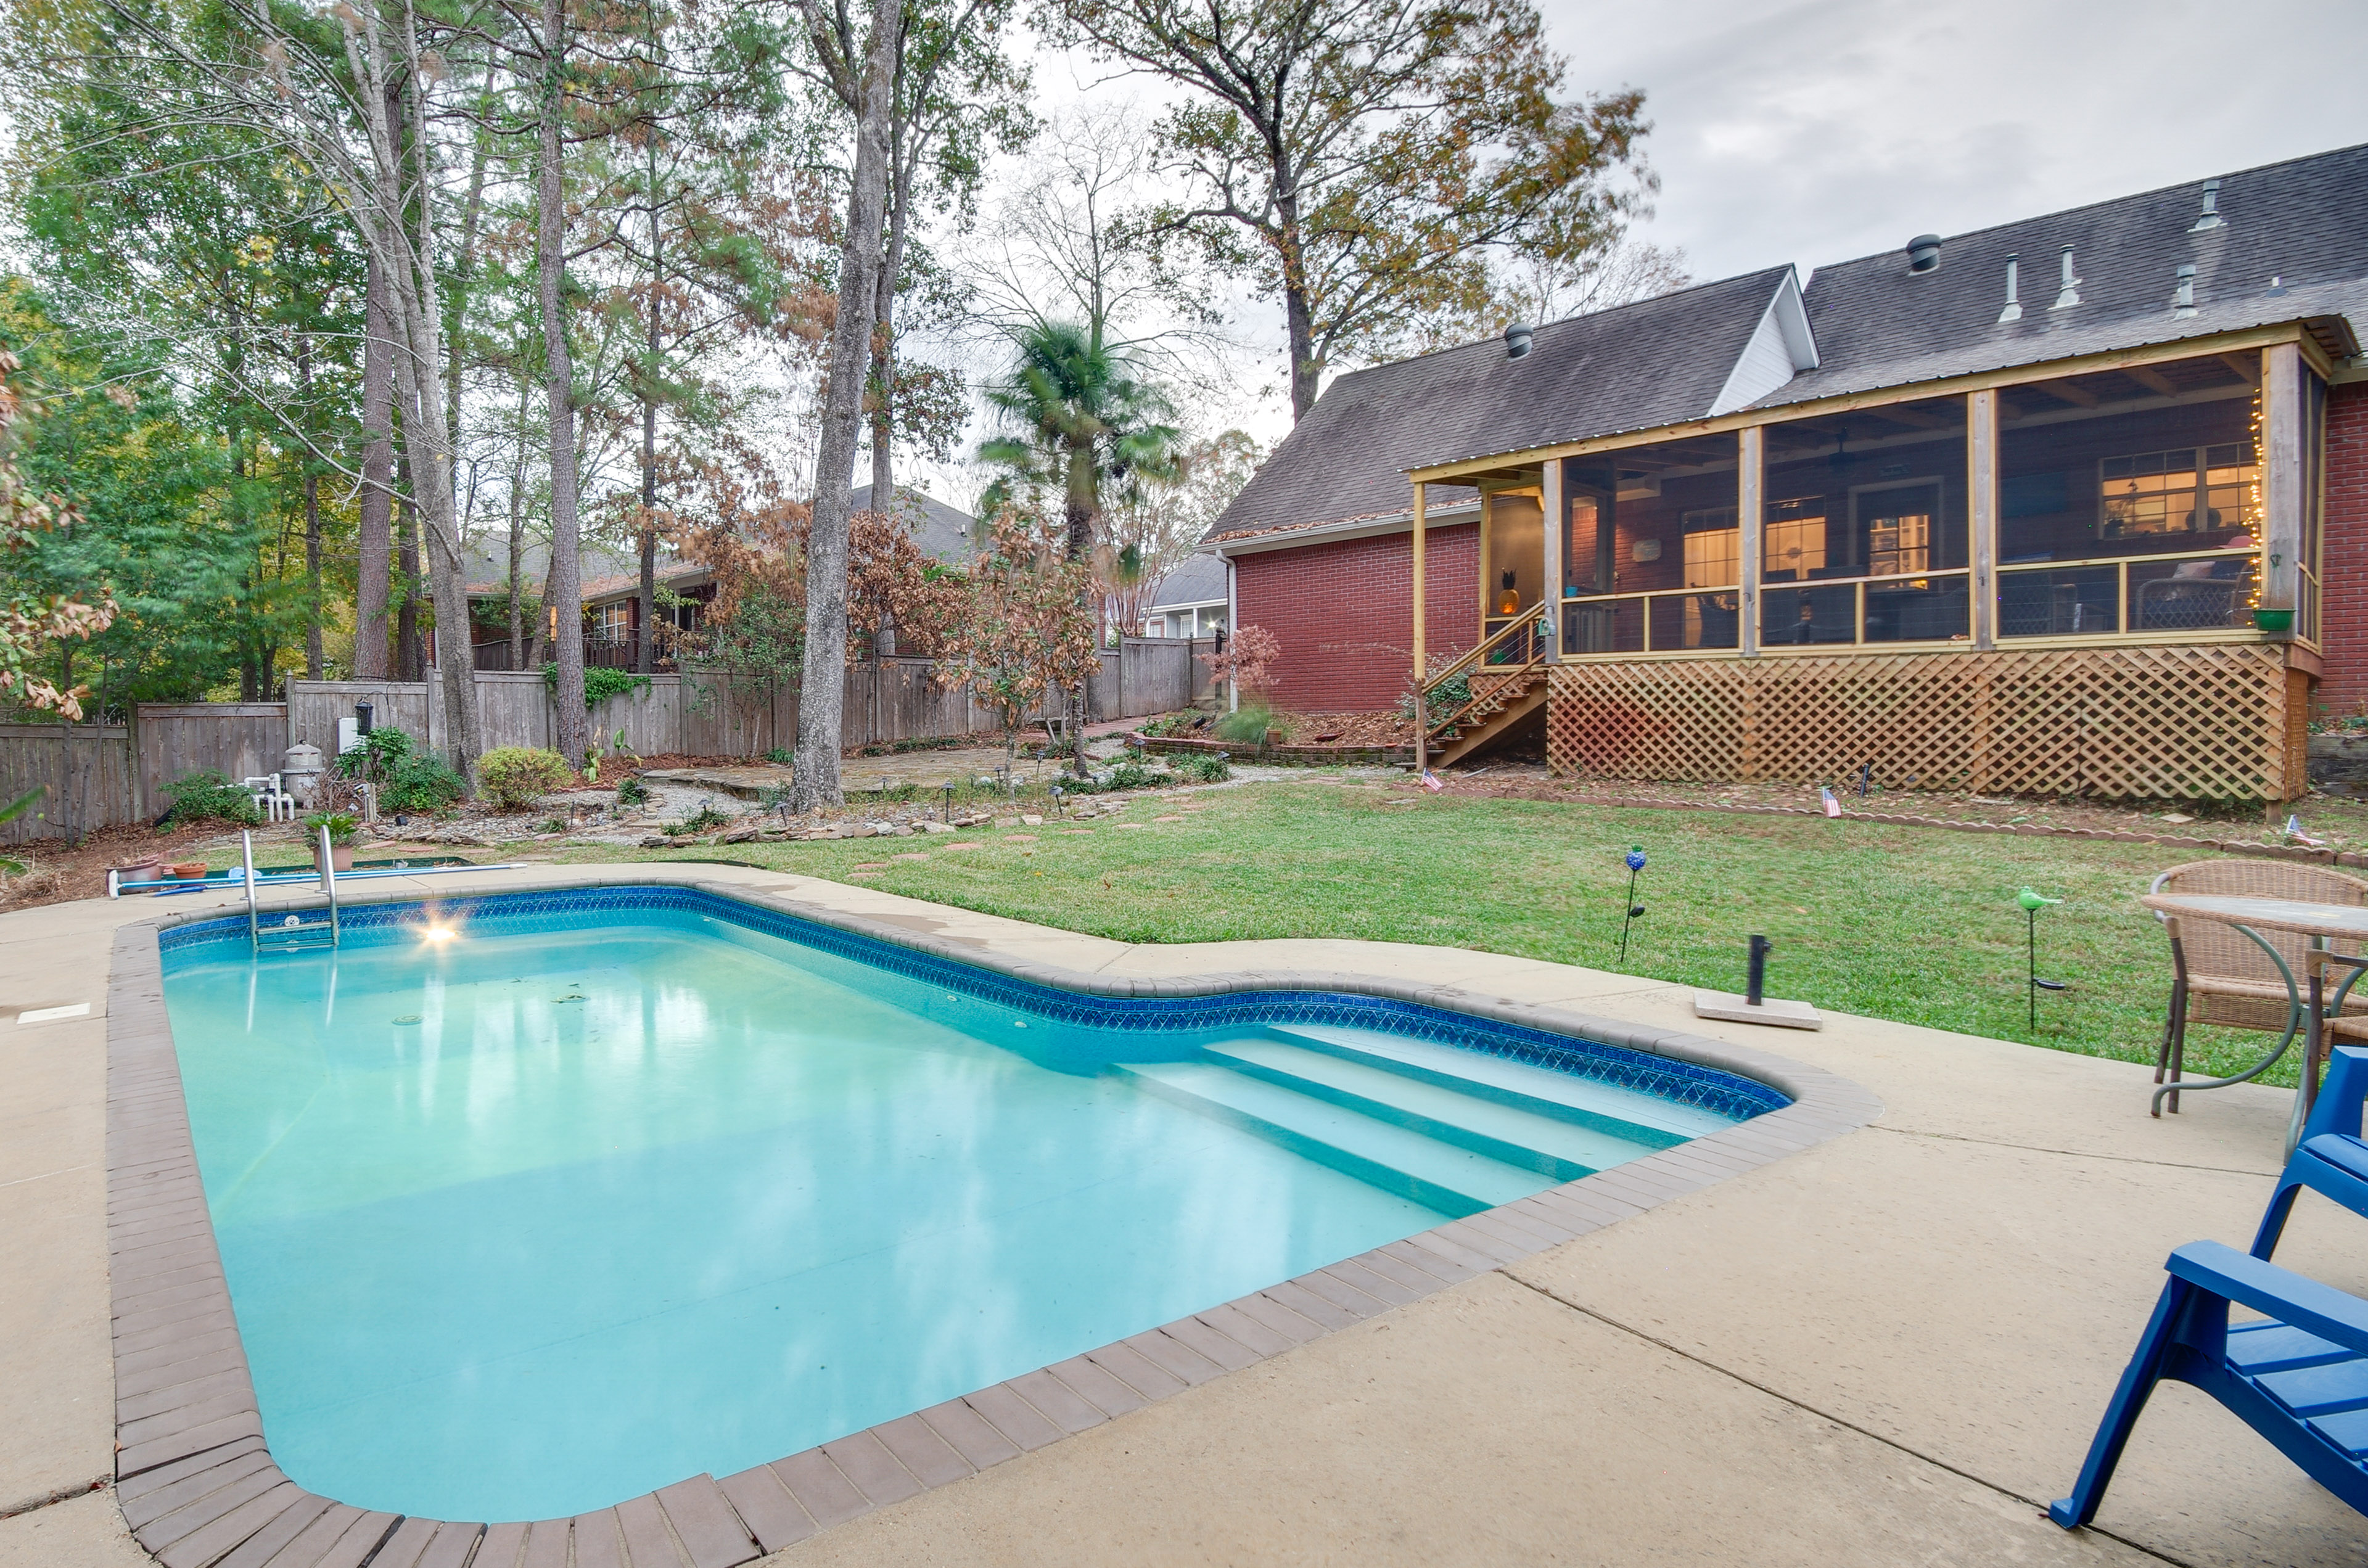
1825	798
1430	780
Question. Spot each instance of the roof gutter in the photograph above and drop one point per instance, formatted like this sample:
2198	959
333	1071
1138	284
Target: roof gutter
1448	515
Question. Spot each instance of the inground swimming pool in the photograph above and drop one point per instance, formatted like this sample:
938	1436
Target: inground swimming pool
533	1202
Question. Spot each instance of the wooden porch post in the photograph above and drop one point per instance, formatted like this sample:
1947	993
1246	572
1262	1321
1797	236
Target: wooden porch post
1751	445
1421	666
2281	497
1556	516
1981	490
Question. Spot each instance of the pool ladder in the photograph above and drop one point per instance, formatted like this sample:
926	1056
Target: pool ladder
298	933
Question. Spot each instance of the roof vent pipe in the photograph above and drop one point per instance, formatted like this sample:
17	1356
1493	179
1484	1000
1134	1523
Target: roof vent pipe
2013	311
2211	219
1517	340
1924	252
2182	299
2069	294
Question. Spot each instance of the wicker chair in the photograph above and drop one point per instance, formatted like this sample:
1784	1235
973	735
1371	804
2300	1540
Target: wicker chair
2219	977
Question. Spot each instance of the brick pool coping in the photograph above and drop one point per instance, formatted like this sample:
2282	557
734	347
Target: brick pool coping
199	1487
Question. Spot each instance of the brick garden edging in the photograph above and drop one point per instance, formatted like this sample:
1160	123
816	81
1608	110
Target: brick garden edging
199	1487
1288	757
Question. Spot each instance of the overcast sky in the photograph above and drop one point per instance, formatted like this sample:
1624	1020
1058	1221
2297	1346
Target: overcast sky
1825	130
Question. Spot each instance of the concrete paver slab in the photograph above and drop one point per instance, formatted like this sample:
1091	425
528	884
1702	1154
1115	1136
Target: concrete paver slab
1807	1350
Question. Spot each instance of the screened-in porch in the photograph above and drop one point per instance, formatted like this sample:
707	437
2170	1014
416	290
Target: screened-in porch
2164	499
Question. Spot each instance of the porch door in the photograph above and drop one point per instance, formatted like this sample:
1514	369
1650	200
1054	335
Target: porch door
1512	579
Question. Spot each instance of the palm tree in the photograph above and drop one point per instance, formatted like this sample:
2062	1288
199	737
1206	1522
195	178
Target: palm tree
1078	416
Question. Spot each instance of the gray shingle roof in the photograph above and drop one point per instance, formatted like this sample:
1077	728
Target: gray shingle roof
2305	221
1654	362
942	531
1197	580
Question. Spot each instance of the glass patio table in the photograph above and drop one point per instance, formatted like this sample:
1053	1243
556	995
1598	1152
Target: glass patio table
2309	1006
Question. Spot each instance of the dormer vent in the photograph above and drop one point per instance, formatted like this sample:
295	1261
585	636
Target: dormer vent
2069	294
2211	219
1924	254
1517	340
2182	297
2277	286
2013	311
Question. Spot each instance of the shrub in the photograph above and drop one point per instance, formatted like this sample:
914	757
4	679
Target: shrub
707	819
208	795
1209	768
631	791
1448	695
1134	773
408	779
782	756
600	682
1250	722
516	776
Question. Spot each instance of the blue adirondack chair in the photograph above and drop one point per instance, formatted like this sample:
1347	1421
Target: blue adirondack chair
2331	1159
2300	1379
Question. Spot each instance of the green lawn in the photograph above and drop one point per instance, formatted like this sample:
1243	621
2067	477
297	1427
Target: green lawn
1916	925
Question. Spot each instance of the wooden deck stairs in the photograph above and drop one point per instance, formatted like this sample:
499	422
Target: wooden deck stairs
1481	696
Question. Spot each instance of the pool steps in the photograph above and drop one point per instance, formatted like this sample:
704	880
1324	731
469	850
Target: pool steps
1438	1175
1455	1130
1625	1113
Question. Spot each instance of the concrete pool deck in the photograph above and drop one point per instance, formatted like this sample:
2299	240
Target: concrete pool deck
1892	1347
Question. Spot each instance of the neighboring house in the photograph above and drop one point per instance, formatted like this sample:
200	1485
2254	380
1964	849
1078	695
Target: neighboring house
613	601
1190	601
2037	507
612	585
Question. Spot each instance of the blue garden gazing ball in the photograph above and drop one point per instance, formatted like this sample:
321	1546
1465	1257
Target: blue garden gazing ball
1637	860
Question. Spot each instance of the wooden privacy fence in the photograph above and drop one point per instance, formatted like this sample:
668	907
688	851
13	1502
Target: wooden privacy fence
97	776
237	740
85	770
2186	722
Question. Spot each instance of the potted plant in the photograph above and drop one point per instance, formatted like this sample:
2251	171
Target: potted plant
2274	621
343	828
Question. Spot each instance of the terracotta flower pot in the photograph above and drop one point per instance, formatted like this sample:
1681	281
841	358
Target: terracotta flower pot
341	856
187	871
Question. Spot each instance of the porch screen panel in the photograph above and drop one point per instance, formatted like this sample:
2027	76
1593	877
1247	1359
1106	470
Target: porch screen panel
1651	552
1864	529
2130	500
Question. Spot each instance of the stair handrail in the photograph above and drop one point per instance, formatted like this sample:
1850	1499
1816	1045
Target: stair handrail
1534	625
254	925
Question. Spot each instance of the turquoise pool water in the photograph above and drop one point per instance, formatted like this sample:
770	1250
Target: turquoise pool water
568	1207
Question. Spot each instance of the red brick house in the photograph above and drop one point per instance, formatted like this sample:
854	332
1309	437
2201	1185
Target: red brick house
2078	504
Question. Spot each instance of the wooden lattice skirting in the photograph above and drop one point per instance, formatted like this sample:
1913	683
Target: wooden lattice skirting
2212	721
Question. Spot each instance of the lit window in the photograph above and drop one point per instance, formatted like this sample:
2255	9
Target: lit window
2184	490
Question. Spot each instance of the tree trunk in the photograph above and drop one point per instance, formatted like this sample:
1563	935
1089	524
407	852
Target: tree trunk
646	653
550	238
407	258
540	653
884	350
407	662
378	478
314	664
821	719
1298	318
518	539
